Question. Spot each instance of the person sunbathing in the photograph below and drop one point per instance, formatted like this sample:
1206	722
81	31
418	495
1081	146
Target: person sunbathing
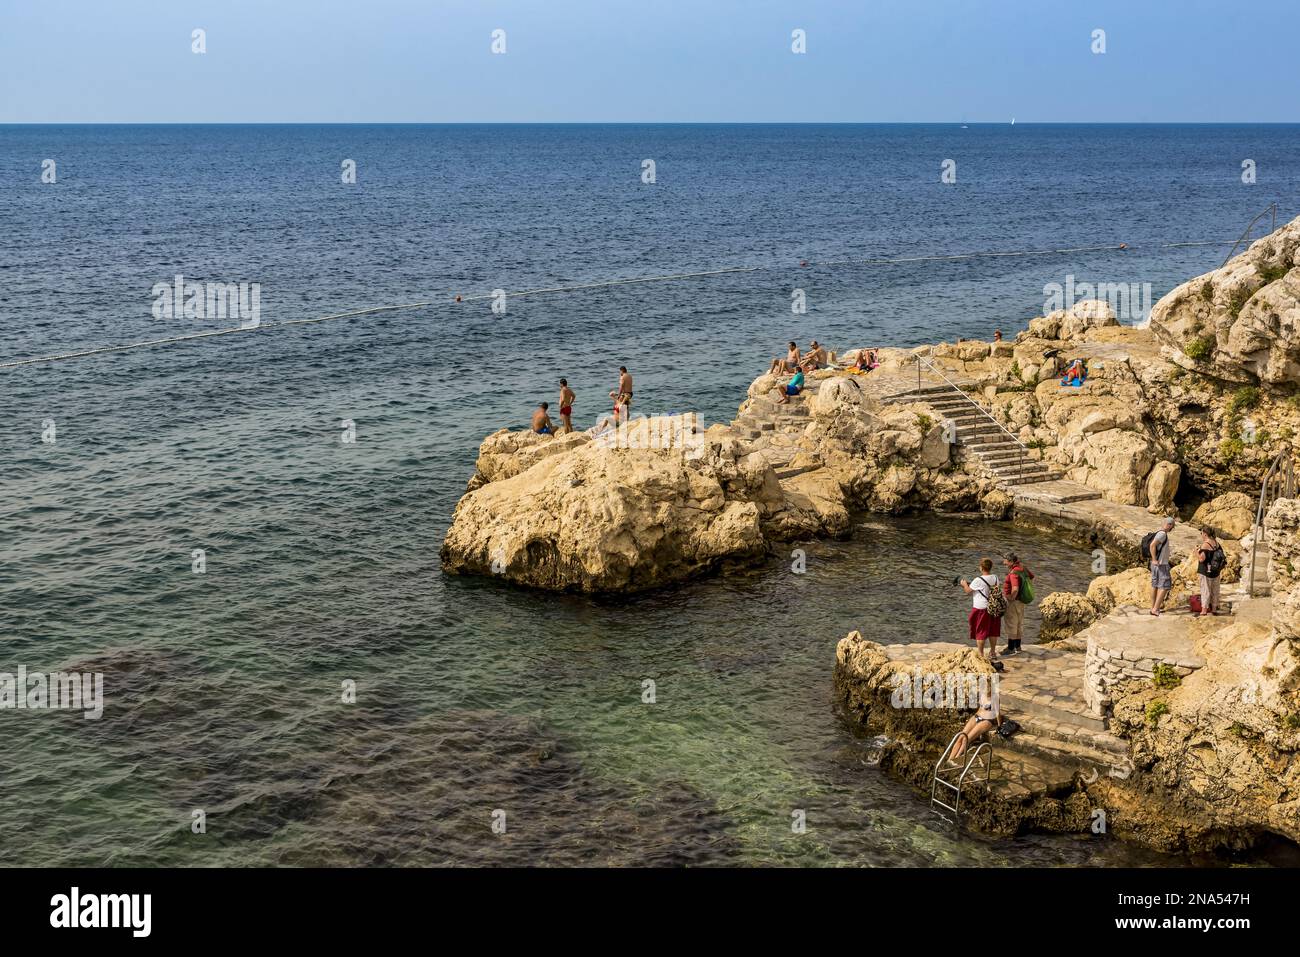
1076	374
866	360
789	364
984	720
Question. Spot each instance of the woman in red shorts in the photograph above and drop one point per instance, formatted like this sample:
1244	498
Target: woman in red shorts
983	626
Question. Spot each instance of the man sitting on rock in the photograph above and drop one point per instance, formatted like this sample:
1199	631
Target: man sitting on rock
789	364
815	359
542	423
1161	575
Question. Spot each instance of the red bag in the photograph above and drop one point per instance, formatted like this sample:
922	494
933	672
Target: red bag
1194	603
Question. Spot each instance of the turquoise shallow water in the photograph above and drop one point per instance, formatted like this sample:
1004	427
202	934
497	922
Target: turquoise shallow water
224	688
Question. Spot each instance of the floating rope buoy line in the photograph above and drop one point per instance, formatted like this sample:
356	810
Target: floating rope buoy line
668	277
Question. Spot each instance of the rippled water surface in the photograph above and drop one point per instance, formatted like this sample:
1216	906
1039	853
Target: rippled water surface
224	688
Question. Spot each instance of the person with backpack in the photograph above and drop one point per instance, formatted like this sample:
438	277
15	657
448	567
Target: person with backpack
987	608
1209	565
1018	589
1156	547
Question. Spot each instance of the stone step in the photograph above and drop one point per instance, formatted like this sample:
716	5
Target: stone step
1058	492
1016	467
792	422
1104	742
913	395
1004	456
1036	479
792	472
978	436
1044	706
984	450
1087	758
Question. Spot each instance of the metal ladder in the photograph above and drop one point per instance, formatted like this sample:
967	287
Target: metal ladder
944	774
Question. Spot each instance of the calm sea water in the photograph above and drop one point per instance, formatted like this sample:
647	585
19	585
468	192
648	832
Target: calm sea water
224	688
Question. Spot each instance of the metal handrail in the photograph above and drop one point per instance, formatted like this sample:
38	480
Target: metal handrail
1273	209
972	756
1285	465
948	750
1024	449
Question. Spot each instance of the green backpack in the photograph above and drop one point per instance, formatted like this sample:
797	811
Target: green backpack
1026	593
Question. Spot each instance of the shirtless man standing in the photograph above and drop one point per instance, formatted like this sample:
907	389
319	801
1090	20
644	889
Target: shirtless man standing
623	397
542	423
566	405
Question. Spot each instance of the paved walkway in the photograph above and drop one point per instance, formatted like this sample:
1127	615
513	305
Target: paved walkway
1125	523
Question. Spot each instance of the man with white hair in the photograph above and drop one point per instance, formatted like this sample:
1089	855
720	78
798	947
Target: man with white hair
1161	575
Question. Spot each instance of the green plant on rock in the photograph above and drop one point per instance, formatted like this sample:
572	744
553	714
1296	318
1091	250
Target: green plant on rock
1238	299
924	422
1272	273
1200	348
1165	677
1291	722
1207	290
1230	450
1155	710
1244	399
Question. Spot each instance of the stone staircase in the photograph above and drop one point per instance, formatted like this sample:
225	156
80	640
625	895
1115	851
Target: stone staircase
980	439
1043	690
1263	581
773	429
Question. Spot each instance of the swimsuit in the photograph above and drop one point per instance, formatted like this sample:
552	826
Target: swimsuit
566	410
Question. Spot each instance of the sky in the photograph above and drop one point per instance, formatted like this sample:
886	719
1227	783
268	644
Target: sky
313	61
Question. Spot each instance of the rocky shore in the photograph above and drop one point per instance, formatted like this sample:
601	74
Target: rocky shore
1193	745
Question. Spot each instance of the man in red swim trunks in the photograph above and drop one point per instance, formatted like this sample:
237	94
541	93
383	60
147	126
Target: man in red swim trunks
566	405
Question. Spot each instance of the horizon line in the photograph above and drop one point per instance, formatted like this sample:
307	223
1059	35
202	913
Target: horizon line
967	123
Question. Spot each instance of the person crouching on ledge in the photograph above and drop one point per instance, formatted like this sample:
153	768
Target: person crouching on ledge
542	423
793	387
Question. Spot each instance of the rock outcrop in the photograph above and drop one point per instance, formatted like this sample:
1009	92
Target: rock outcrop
593	517
1222	748
1239	323
1231	515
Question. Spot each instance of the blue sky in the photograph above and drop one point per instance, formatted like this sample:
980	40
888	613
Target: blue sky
649	61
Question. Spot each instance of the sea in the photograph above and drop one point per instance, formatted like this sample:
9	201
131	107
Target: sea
240	532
